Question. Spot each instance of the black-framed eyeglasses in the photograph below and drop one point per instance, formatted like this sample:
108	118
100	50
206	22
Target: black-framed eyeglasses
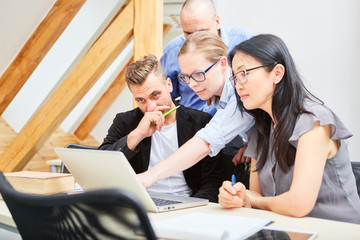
241	76
196	76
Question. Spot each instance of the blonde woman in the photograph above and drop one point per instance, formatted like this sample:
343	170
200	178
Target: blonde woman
204	66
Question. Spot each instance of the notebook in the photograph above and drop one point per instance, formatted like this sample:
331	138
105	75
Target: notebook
97	169
208	226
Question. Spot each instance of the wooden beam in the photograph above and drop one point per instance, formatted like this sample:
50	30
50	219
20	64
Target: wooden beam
70	92
102	105
36	48
148	28
166	28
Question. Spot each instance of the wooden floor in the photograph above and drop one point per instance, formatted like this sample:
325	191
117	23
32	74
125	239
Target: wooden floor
38	162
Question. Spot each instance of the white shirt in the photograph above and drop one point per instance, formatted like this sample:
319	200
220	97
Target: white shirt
163	144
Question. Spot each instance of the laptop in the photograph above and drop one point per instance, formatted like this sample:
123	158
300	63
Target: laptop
98	169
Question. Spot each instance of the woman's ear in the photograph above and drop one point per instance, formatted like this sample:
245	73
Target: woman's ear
224	63
279	71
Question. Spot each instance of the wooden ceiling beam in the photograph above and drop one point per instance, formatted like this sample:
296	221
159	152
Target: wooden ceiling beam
148	29
166	28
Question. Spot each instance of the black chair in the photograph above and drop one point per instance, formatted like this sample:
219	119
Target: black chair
98	214
356	169
63	169
73	145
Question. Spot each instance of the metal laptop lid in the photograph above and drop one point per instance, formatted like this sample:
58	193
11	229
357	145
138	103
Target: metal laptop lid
97	169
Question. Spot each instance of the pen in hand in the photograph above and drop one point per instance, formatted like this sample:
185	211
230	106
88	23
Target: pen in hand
168	112
233	181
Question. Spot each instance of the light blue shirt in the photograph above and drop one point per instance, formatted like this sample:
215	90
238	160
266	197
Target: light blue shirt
227	123
231	36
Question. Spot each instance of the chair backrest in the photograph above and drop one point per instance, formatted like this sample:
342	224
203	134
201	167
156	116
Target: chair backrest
74	145
63	169
98	214
356	170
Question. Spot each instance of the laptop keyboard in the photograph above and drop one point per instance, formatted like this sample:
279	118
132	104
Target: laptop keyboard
163	202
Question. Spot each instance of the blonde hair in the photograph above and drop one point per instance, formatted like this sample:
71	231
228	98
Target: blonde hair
208	44
137	72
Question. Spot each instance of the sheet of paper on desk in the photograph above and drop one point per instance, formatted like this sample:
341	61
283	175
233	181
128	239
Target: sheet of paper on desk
199	225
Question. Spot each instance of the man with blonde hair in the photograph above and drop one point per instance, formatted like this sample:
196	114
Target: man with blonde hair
146	137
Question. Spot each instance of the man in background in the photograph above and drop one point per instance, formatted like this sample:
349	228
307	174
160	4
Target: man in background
146	137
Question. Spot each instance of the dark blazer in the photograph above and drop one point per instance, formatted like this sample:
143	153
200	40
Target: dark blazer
204	178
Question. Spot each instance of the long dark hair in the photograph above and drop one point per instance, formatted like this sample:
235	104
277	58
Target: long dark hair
287	102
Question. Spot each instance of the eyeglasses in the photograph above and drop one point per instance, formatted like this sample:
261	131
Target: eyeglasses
241	76
196	76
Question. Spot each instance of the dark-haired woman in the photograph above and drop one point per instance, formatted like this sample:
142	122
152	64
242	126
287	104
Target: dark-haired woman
300	161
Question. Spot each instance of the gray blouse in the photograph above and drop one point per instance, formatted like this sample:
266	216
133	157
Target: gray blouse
338	198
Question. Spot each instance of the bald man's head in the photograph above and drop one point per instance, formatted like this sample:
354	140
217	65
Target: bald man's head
199	15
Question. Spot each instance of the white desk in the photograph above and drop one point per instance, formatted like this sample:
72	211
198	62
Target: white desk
8	228
5	215
326	229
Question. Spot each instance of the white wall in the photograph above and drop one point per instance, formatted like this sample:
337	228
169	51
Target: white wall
18	20
323	37
122	104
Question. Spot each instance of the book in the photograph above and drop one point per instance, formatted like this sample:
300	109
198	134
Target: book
200	225
41	182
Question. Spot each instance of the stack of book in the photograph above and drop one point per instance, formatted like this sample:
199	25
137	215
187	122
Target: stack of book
41	182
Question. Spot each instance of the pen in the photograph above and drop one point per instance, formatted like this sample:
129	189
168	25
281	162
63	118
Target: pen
168	112
233	181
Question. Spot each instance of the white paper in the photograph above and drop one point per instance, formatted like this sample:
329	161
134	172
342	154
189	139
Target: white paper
199	225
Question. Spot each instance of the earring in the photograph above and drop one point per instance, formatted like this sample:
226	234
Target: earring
276	82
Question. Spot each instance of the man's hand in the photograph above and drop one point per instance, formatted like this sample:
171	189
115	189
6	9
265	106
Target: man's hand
240	157
145	127
146	179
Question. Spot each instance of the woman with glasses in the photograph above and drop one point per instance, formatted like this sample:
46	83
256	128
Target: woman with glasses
300	164
204	66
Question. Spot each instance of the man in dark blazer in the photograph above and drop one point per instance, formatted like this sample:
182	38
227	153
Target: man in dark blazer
146	137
